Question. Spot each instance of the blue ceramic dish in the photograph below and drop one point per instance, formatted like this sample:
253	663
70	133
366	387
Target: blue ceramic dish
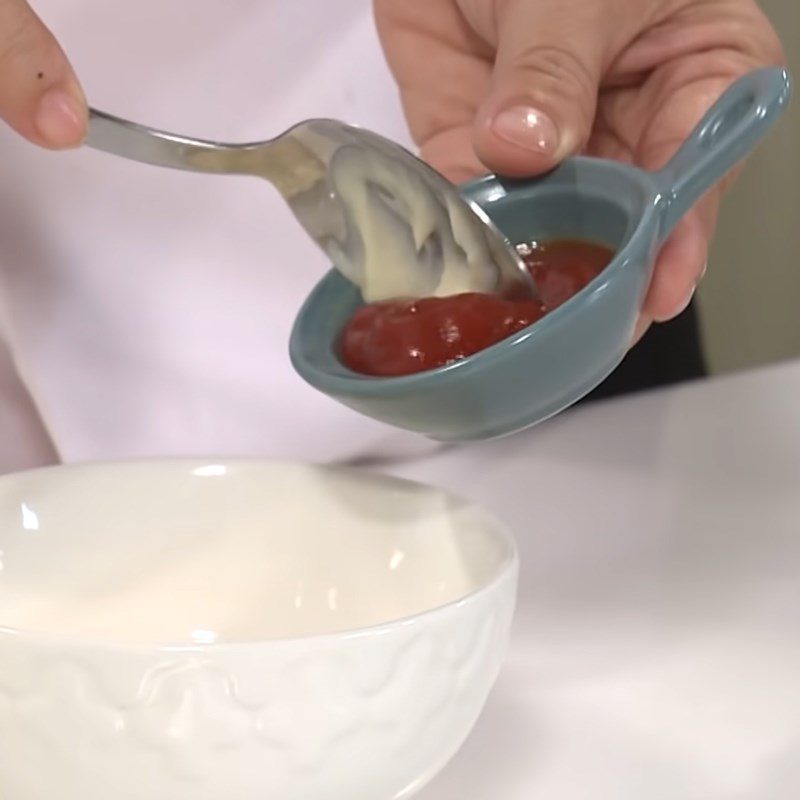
550	365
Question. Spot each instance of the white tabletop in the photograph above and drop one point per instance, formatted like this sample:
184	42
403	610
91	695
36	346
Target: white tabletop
656	654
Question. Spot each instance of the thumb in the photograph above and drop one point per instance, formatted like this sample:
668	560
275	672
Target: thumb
40	97
546	77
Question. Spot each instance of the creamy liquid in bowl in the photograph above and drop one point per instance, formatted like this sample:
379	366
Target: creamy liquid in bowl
179	553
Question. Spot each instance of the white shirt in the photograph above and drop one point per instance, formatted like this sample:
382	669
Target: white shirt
145	311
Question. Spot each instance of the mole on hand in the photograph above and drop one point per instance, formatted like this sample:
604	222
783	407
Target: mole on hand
40	75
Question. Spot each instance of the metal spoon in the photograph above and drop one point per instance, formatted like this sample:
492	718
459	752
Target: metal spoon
389	222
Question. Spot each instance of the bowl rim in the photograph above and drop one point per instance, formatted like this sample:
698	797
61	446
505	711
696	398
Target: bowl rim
506	570
358	385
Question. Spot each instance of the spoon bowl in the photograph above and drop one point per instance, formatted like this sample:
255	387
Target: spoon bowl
362	198
548	366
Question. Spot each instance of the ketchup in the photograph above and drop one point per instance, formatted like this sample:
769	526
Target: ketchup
401	337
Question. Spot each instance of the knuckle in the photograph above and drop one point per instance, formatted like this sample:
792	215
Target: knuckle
759	31
561	68
557	75
750	32
773	48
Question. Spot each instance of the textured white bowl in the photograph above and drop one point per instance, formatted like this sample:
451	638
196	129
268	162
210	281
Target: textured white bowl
244	630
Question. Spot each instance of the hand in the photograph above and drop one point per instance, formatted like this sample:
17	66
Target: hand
40	97
518	85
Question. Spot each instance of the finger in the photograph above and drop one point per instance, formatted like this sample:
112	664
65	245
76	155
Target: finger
677	269
680	266
40	97
679	101
451	153
682	262
443	69
541	104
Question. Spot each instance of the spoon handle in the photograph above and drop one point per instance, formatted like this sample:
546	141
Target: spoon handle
139	143
285	161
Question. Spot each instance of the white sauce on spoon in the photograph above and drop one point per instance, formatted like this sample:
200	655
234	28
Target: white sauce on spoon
411	244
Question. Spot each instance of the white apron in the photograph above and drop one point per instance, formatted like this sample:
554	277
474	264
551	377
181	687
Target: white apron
145	311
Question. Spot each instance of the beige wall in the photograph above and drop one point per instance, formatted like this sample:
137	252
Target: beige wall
750	299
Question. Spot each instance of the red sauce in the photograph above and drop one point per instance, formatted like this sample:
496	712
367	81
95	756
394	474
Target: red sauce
401	337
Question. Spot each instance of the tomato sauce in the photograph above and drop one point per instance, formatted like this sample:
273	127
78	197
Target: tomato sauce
401	337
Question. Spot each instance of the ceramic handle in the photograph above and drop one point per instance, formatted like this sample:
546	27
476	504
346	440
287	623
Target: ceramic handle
726	134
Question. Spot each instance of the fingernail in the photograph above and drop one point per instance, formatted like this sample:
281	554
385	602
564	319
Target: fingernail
60	119
685	304
702	274
642	324
527	128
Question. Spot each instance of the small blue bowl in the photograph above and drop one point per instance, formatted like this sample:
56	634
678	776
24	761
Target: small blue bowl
548	366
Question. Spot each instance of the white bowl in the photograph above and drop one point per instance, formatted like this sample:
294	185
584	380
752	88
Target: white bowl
244	630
